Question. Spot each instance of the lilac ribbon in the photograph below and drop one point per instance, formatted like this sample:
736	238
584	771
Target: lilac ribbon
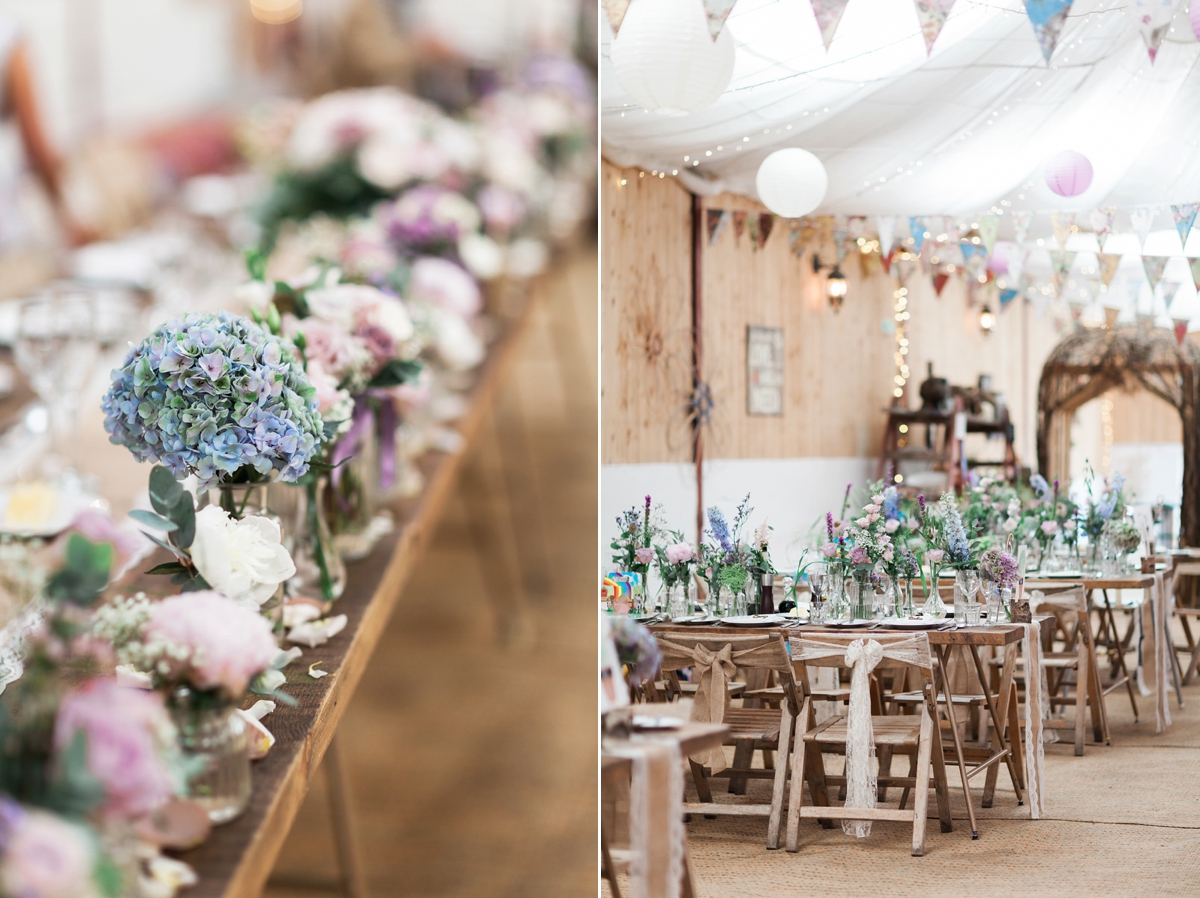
383	419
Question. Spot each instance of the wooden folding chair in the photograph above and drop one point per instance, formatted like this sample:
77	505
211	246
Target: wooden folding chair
1186	614
752	729
918	736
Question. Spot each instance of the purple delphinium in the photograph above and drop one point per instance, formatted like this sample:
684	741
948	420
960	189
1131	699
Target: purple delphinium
719	529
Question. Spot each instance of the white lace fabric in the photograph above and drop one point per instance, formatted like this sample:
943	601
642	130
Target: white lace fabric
862	656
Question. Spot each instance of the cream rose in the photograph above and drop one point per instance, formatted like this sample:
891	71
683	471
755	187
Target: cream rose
243	560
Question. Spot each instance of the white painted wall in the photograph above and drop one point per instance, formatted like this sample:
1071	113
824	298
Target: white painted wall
160	60
793	494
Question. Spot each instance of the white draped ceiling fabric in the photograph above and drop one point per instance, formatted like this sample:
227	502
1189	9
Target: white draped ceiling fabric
964	131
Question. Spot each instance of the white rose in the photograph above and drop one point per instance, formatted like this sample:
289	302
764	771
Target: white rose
244	559
457	345
482	255
1010	525
384	163
254	294
388	314
527	257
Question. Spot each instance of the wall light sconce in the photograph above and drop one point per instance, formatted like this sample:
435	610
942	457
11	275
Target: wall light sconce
835	283
987	320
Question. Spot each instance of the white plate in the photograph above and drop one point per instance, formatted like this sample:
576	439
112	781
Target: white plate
645	722
1060	575
847	624
910	624
757	620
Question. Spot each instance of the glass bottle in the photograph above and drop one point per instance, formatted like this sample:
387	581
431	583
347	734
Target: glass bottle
213	736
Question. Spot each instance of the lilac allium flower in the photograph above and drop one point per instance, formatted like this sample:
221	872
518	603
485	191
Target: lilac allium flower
126	730
678	553
1000	567
217	643
213	394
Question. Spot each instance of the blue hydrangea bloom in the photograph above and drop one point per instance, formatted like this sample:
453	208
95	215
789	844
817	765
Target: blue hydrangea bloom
215	395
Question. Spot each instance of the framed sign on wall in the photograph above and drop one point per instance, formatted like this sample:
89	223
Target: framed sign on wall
764	370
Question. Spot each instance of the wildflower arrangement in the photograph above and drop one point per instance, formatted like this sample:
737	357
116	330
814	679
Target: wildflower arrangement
1108	504
215	395
727	557
759	554
637	649
676	561
633	549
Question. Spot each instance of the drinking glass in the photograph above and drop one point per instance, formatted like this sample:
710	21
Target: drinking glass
972	618
56	350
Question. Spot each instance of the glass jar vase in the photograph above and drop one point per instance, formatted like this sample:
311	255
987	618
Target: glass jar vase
320	572
212	736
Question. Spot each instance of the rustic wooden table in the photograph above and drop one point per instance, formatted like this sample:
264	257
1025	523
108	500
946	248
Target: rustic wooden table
237	859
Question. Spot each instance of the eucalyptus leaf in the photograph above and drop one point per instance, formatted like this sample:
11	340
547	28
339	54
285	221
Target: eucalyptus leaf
168	567
164	489
150	519
183	513
395	373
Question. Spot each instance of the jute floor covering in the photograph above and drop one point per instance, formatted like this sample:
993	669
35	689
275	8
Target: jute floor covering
1122	821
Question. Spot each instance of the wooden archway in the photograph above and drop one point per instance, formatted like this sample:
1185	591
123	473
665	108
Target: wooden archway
1091	361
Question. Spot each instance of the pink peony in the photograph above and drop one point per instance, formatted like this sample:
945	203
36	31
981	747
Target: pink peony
124	729
45	856
1049	527
644	555
228	643
440	282
679	553
936	555
829	550
340	353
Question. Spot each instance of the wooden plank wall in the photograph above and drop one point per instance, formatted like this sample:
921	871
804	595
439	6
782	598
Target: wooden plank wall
839	366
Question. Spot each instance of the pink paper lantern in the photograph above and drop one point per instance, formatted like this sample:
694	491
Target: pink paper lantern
1068	173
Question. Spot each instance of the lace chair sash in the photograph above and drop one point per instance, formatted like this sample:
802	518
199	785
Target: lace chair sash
862	656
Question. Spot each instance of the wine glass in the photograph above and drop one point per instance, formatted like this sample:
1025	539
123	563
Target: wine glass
56	350
968	583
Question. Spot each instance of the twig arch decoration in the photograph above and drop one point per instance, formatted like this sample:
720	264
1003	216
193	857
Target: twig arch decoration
1092	361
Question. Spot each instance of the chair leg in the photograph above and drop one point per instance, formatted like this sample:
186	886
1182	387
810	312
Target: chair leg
921	788
940	782
606	867
743	756
786	726
885	769
1081	696
799	765
702	790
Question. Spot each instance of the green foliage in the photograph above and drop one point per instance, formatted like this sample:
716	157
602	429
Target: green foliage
84	573
395	373
337	190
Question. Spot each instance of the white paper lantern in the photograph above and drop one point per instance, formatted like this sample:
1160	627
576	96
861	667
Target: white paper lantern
791	182
666	60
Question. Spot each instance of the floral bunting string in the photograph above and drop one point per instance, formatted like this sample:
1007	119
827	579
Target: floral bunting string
1169	289
1102	222
1194	264
1154	267
1021	222
717	221
1109	262
828	13
1047	18
989	228
1185	217
1142	217
1153	19
615	11
765	222
939	281
887	233
717	11
916	227
1062	223
739	227
795	230
932	15
1181	329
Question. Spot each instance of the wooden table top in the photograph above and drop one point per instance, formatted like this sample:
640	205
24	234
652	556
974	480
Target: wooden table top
1129	581
692	737
999	634
237	859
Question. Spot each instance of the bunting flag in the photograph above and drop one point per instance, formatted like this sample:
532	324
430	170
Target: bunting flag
1181	328
926	256
916	229
1007	296
1142	218
1110	317
1185	217
717	220
840	236
1095	288
828	13
1195	265
1153	19
1047	18
1109	262
1062	222
887	233
1169	289
989	228
1154	266
752	230
794	231
886	258
1021	223
717	12
615	10
1102	222
1062	261
904	269
765	222
932	15
939	281
739	227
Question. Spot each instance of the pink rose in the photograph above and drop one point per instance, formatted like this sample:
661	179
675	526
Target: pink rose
863	522
45	856
1069	527
644	555
889	554
829	550
892	525
502	209
877	499
679	553
124	728
872	509
936	555
226	644
440	282
858	555
1049	527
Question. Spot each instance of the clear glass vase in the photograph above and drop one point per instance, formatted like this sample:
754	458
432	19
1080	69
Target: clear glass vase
213	740
320	572
934	608
678	600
